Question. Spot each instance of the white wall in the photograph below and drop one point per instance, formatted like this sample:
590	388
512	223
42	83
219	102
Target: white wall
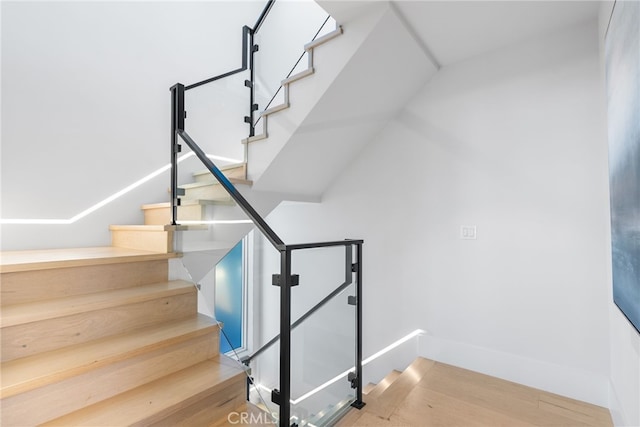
85	105
514	143
624	340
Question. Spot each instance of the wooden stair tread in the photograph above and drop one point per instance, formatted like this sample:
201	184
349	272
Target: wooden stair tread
156	400
151	228
43	310
388	400
13	261
448	395
237	181
325	38
183	202
25	374
384	383
227	168
366	389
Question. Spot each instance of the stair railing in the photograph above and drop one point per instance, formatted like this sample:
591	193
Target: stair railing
285	279
177	101
293	68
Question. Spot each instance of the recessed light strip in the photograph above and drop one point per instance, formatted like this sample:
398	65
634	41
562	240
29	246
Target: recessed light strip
109	199
368	360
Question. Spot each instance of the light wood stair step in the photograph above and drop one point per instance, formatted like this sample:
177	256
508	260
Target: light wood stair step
263	135
213	181
366	389
298	76
397	391
32	328
45	310
284	105
14	261
210	190
28	373
384	383
21	287
325	38
237	170
203	392
256	138
156	238
309	47
189	210
135	369
153	228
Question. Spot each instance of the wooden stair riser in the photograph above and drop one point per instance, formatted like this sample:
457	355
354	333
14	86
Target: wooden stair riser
39	285
384	384
212	406
367	388
154	241
401	386
75	393
24	340
209	192
162	215
239	172
156	401
29	373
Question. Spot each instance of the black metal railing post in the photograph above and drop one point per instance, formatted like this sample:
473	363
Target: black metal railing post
249	49
285	338
358	270
177	124
253	106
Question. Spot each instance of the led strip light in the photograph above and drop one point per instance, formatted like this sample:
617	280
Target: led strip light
115	196
417	332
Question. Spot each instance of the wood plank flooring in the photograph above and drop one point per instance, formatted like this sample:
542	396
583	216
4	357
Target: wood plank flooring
435	394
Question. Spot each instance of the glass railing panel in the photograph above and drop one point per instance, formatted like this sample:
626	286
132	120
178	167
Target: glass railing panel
232	266
215	117
323	344
265	376
264	322
328	25
227	297
262	377
281	39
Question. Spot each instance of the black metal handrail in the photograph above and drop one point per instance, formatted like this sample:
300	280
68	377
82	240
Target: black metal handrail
233	192
246	36
285	280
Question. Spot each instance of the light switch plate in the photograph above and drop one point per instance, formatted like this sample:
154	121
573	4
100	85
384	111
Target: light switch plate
468	232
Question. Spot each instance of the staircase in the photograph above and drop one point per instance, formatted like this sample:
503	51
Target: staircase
205	199
100	336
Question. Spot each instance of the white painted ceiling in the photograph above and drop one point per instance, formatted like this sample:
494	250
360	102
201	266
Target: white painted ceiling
456	30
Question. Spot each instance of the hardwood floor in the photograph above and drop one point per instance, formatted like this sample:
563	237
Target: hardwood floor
430	393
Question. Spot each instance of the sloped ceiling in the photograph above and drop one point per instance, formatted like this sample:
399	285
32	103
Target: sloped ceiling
456	30
453	30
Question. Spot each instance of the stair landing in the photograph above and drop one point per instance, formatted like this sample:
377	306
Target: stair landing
434	393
